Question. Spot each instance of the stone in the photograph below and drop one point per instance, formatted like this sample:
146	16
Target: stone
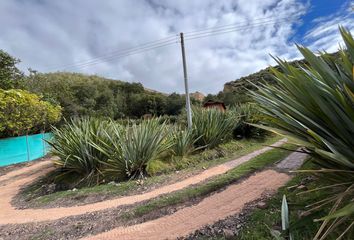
262	205
228	234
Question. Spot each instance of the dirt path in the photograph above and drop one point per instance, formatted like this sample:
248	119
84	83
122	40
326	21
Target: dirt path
10	215
218	206
211	209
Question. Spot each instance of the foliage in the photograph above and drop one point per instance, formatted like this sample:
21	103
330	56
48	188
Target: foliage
80	162
92	150
10	75
314	105
183	141
249	113
22	112
213	125
85	95
143	143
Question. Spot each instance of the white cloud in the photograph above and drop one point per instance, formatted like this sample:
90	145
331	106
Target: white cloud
324	36
47	34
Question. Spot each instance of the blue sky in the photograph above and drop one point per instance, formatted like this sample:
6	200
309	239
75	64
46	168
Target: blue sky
73	35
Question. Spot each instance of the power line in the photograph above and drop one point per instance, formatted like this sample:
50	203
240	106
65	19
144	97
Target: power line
159	43
121	51
107	59
196	34
231	30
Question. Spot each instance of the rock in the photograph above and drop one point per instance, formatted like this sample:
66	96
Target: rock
228	234
262	205
74	189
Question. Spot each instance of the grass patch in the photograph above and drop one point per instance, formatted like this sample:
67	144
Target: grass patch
162	169
212	185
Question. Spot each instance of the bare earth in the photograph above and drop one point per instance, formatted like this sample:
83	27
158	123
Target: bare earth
10	215
211	209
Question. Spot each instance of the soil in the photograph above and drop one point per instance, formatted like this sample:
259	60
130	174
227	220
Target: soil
79	226
169	222
25	201
11	168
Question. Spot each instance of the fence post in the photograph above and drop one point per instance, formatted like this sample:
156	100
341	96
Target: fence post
28	150
43	144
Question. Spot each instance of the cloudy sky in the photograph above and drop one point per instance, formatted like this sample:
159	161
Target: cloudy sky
136	40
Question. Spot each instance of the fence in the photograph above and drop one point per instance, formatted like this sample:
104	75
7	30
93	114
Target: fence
24	148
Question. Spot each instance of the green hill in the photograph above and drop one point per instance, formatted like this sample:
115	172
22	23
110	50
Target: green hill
92	95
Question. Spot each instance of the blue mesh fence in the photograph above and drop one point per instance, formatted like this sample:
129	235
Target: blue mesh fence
24	148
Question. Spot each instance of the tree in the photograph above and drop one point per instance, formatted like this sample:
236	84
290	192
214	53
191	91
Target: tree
10	75
23	112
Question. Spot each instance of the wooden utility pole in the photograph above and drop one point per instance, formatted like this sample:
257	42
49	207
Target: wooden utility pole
188	103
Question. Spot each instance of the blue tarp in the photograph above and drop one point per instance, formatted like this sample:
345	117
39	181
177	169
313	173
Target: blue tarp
24	148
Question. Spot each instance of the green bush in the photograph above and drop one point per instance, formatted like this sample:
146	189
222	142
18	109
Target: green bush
183	141
77	146
213	125
22	112
314	106
248	113
142	143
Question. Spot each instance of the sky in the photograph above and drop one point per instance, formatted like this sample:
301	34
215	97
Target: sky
137	40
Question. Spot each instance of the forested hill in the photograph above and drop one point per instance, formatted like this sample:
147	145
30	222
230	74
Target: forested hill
91	95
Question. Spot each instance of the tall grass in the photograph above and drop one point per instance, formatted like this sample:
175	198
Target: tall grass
314	106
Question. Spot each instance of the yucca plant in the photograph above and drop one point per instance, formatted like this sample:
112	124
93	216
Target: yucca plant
213	125
79	161
183	140
314	106
140	144
248	113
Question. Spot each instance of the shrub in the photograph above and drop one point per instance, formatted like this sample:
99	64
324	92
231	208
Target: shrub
213	125
183	141
314	106
248	113
77	145
139	145
22	112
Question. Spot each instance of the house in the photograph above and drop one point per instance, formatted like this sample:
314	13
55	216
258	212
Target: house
218	105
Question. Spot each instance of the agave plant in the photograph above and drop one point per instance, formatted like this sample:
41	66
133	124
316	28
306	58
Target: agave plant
314	106
79	161
213	125
138	145
183	141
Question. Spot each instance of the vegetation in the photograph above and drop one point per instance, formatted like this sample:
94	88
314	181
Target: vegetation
139	145
213	126
22	112
314	105
183	141
84	95
248	113
10	76
192	163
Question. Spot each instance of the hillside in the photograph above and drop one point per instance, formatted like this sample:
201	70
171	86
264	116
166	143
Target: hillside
92	95
263	76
